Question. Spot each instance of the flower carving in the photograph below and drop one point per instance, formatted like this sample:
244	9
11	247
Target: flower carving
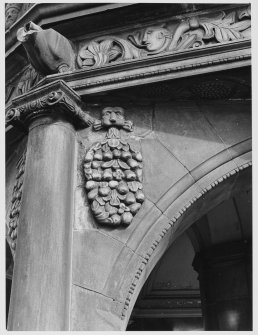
97	54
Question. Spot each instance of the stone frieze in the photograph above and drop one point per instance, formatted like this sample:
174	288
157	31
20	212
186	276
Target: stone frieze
193	32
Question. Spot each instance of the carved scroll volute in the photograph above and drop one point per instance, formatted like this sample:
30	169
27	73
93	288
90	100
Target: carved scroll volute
113	171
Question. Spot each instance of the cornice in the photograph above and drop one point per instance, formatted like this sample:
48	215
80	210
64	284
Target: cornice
50	99
157	68
44	13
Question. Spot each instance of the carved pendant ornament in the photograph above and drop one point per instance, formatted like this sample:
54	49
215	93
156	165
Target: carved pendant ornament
16	204
113	171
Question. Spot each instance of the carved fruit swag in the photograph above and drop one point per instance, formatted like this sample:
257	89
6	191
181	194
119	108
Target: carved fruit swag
113	170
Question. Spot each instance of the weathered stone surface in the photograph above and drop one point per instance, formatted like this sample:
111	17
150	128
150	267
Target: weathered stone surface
215	174
121	273
153	235
182	201
41	281
243	159
184	130
139	278
184	184
83	216
94	255
48	51
93	311
141	117
143	221
162	169
230	120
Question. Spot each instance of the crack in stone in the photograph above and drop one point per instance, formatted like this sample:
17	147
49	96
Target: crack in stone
171	153
215	132
102	294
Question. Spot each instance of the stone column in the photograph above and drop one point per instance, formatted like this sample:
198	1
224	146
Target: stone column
226	286
41	288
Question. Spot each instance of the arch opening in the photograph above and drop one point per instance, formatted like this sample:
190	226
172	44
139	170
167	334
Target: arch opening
220	224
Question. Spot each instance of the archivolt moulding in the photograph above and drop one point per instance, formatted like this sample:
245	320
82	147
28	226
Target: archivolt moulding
164	231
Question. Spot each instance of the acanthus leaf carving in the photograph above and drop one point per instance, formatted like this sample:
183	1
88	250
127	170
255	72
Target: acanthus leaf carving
24	113
102	51
113	171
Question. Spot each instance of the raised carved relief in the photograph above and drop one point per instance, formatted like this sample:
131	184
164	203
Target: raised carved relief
48	51
12	11
195	32
153	39
51	103
106	50
192	32
16	204
23	84
113	170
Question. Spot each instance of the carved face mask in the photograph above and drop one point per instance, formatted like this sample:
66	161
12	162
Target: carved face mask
113	117
154	39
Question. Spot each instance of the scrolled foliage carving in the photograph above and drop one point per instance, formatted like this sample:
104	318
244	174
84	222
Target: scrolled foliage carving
105	50
113	171
191	32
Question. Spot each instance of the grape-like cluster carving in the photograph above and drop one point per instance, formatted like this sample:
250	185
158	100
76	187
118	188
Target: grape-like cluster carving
113	170
16	203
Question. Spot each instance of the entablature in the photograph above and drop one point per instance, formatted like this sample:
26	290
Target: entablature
155	49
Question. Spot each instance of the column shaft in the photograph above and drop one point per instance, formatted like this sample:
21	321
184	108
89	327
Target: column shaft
40	297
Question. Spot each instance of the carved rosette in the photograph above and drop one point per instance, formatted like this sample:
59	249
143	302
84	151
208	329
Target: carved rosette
113	170
16	204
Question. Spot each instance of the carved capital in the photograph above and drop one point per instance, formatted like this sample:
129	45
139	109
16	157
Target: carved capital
50	100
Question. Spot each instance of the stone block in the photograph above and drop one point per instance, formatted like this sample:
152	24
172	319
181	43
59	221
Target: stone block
141	116
161	169
231	120
183	184
154	235
94	255
121	275
182	202
83	216
93	311
186	133
147	217
243	159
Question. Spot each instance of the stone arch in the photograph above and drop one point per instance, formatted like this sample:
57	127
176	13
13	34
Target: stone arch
221	181
110	266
